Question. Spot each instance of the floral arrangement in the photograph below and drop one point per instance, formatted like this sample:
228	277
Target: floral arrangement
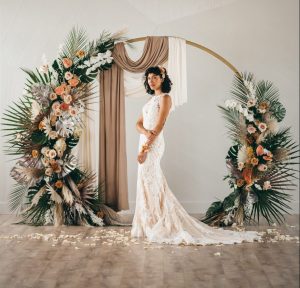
260	161
44	127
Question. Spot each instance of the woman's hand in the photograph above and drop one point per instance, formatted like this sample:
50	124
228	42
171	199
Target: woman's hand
142	157
151	136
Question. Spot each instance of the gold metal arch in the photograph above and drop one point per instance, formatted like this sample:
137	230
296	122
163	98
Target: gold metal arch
209	51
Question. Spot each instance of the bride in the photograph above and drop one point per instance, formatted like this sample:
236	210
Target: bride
159	217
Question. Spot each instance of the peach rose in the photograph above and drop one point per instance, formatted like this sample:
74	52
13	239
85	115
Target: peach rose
60	89
74	81
254	161
259	150
67	62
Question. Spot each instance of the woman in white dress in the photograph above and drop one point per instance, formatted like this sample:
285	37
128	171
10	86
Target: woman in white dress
159	217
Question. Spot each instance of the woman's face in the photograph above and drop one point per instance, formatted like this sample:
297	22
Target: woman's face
154	81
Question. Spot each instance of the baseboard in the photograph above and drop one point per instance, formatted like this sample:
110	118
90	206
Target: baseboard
189	206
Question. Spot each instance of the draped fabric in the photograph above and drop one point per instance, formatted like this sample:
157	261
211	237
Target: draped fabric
113	159
177	70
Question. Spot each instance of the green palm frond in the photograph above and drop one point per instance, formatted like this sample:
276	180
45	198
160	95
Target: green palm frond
75	41
235	123
239	90
267	92
36	77
271	204
17	197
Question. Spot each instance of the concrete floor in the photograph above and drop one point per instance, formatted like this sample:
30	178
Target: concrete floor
106	257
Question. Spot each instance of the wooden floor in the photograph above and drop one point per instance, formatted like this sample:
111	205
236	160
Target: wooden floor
107	257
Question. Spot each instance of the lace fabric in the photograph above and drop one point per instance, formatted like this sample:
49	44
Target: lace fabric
159	217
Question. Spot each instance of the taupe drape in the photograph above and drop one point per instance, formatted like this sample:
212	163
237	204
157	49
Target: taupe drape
113	159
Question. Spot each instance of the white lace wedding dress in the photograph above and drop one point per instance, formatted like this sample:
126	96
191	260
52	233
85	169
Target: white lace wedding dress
159	217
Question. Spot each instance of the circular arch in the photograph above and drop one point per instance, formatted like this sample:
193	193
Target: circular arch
199	46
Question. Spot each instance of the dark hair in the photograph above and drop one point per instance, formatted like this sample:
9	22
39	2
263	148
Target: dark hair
165	85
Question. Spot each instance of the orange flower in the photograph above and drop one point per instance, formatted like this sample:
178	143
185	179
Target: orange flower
254	161
259	150
80	53
249	151
35	153
240	182
53	119
267	158
74	81
59	184
67	62
247	175
64	106
60	89
41	125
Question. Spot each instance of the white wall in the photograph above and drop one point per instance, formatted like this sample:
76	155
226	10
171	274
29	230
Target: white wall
256	36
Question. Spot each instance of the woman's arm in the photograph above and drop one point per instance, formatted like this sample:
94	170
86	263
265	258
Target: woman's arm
139	125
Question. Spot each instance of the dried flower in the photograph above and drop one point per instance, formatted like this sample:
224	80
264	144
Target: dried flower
80	53
35	153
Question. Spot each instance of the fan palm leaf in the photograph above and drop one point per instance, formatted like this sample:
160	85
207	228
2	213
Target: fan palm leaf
235	124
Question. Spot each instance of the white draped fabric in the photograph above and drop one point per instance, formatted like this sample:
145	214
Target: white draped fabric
134	87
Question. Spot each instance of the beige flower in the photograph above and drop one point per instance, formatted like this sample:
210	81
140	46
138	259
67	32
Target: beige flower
68	99
52	153
251	102
72	111
49	171
262	167
267	185
53	135
68	75
52	96
262	127
55	106
251	129
241	165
